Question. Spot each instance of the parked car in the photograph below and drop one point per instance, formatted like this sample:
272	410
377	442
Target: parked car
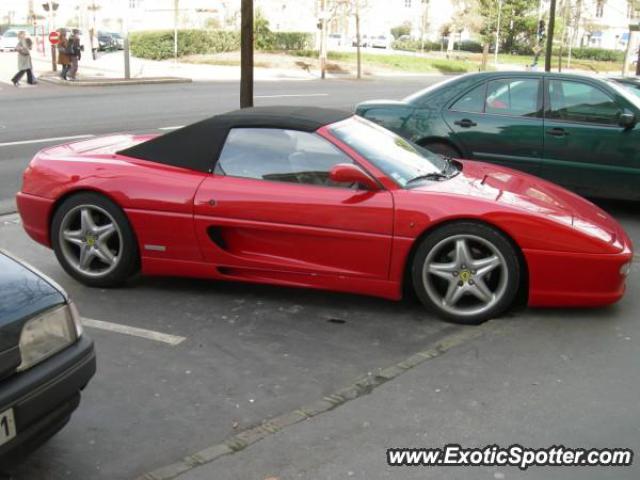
8	41
118	40
380	41
312	197
364	41
106	42
578	131
45	359
630	83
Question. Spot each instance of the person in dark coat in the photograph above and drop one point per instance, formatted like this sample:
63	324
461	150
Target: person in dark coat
75	52
63	54
24	60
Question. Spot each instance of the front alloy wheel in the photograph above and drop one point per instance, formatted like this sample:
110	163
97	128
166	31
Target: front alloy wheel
93	240
467	272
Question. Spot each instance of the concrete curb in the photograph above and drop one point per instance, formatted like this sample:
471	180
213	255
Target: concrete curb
359	388
113	81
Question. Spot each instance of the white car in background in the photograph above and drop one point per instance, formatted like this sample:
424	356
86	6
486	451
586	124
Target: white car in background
9	40
380	41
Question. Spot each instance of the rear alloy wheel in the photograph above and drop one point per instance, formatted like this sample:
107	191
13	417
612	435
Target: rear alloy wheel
93	241
466	272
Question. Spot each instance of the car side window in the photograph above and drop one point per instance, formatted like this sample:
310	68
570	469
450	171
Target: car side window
579	102
515	97
472	101
280	155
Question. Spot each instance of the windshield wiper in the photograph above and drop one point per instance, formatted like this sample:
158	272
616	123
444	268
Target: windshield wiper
429	176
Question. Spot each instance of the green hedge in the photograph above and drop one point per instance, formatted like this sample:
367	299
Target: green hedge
589	53
290	41
158	45
415	45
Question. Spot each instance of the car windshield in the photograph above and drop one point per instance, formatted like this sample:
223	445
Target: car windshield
398	158
10	34
417	96
630	92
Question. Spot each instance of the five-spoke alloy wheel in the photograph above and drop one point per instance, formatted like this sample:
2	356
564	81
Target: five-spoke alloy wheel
467	272
93	240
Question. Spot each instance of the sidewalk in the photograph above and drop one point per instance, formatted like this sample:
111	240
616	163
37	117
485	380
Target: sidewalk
540	379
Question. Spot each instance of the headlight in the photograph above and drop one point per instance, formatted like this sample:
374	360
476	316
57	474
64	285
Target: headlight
625	269
48	333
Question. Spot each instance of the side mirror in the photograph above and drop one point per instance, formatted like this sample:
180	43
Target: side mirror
627	119
349	173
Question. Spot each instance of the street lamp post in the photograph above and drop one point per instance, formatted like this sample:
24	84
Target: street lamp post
51	8
498	32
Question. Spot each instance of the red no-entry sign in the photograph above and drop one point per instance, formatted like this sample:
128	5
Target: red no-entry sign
54	38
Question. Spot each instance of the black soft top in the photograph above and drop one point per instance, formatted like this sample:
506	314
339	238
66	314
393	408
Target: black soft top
198	146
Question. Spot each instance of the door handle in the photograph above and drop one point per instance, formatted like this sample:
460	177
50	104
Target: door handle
465	123
557	132
212	203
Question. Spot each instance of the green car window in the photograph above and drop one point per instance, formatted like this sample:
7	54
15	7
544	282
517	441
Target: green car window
516	97
471	102
580	102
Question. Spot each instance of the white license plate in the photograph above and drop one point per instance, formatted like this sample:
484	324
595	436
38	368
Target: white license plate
7	426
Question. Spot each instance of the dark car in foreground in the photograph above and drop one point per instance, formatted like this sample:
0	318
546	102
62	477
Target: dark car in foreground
45	360
577	131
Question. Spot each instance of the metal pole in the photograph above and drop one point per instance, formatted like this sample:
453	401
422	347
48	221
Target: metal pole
552	21
498	32
246	54
176	7
126	51
628	55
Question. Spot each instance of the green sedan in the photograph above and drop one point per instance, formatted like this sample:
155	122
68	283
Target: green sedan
577	131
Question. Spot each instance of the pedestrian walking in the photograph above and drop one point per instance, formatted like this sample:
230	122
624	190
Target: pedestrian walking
63	54
24	60
75	53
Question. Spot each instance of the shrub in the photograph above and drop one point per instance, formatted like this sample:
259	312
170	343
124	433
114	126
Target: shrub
415	45
158	45
290	41
598	54
468	46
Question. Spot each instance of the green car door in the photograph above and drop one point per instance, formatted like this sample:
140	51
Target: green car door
500	121
591	142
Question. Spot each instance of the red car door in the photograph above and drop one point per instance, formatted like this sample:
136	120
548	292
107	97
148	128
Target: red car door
270	206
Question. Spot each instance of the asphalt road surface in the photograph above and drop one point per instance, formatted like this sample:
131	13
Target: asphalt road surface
185	364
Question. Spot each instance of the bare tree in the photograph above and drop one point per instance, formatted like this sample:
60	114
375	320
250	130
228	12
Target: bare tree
353	8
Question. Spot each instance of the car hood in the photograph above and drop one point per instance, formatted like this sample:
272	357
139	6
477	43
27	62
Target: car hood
524	192
23	294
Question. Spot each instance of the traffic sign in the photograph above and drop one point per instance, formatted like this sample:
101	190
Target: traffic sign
54	38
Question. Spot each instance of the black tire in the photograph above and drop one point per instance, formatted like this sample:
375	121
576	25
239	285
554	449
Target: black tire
506	276
128	262
443	149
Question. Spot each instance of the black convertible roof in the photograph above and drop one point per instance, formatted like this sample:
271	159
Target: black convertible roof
198	146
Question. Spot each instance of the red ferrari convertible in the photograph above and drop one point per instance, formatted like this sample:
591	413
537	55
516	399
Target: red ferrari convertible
319	198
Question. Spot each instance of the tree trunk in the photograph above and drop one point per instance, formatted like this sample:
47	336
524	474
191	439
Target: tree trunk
552	20
485	56
246	54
